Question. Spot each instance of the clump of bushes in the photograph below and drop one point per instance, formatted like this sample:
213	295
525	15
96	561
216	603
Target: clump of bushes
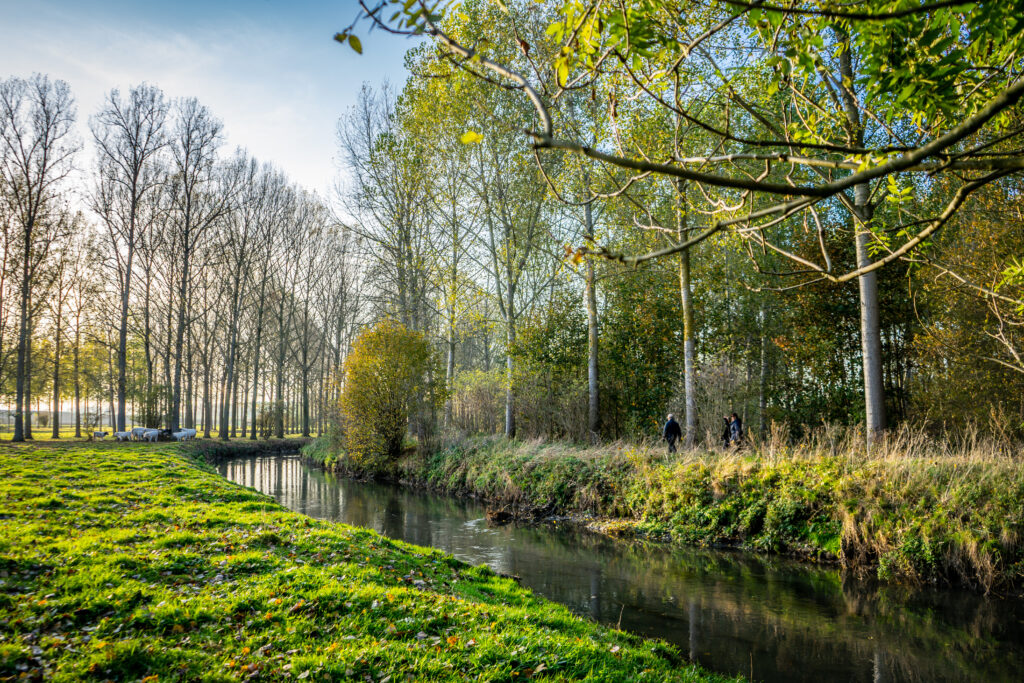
391	382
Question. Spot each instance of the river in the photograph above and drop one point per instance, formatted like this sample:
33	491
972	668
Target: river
767	618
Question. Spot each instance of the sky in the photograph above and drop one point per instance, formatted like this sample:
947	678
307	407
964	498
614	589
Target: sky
269	71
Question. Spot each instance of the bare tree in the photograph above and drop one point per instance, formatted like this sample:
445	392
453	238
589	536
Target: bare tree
278	206
36	120
81	299
313	272
150	248
199	196
66	271
236	243
129	134
286	283
387	200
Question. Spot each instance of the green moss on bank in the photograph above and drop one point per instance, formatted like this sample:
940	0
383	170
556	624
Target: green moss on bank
953	518
132	562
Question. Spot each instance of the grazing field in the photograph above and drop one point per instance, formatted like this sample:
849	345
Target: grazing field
135	562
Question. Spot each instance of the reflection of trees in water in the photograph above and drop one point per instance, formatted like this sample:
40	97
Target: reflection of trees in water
796	614
726	609
393	518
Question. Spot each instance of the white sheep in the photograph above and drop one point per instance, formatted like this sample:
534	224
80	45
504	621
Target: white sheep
180	436
123	436
138	432
151	434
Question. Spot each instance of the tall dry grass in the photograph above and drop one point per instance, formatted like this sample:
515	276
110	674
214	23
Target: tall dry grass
914	506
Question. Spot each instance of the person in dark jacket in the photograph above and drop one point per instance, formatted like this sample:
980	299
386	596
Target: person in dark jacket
726	432
672	433
736	430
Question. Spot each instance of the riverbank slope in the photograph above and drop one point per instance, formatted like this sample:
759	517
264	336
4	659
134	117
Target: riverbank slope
135	562
908	512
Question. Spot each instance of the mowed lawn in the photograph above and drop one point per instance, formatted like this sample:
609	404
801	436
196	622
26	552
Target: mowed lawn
134	562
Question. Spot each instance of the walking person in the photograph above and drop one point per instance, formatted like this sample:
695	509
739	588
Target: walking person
736	430
672	432
726	432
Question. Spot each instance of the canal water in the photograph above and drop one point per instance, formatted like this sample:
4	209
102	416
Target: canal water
766	618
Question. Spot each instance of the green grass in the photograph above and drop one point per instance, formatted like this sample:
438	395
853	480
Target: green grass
45	434
135	562
914	510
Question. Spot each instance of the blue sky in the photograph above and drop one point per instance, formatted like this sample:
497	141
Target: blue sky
269	70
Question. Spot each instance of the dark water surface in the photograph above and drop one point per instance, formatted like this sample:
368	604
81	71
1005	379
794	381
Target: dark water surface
732	612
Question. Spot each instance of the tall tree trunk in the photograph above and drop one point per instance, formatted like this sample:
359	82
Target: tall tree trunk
166	393
279	400
870	330
257	344
190	416
207	408
122	333
510	415
24	349
150	403
305	401
56	378
234	405
179	342
222	414
28	377
245	409
111	383
321	400
77	380
762	385
256	393
449	373
689	340
593	383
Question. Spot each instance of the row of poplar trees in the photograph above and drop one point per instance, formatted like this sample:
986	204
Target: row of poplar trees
171	284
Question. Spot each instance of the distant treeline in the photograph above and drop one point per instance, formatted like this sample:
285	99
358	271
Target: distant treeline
173	284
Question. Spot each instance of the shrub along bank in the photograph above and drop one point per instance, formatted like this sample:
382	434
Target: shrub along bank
135	562
906	513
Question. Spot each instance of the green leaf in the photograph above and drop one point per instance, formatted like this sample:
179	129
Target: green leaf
354	43
563	71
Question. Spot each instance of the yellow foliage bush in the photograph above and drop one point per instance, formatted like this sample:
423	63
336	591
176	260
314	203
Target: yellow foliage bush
388	376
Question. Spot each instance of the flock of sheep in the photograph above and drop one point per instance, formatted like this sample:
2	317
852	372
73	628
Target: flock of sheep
149	434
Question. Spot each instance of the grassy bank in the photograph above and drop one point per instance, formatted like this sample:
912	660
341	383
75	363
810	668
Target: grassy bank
135	562
914	510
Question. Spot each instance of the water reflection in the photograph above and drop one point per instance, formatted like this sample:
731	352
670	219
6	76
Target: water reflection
770	618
